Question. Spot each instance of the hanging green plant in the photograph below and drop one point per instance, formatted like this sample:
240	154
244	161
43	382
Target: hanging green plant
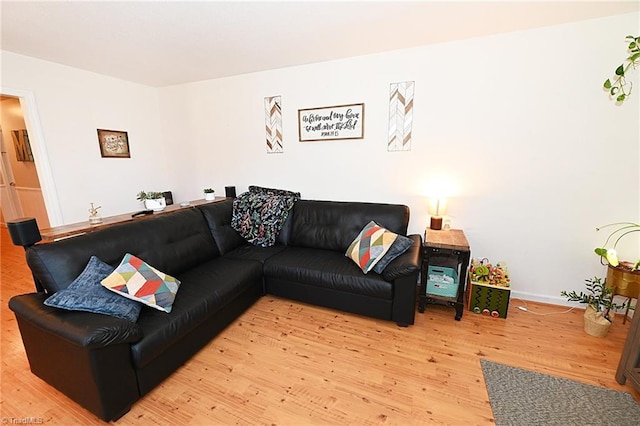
620	89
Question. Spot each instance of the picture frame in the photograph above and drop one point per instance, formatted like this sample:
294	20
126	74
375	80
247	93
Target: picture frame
22	145
338	122
113	143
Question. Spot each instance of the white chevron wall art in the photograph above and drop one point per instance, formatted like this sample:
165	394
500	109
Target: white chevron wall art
273	124
400	115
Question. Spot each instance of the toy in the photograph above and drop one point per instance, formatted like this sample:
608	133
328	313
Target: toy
481	271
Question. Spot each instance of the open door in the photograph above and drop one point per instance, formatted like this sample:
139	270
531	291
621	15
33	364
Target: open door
11	208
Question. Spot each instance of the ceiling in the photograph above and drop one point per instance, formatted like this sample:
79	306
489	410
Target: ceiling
172	42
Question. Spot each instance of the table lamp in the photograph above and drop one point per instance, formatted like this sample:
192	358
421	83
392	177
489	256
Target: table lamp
437	209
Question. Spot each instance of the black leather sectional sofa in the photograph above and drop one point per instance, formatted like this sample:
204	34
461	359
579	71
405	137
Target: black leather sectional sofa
105	363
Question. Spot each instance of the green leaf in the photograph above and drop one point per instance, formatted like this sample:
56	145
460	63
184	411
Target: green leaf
614	90
632	45
633	57
620	70
607	84
621	98
601	251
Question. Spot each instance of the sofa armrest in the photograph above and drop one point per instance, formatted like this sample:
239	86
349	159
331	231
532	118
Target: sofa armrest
85	356
405	264
84	329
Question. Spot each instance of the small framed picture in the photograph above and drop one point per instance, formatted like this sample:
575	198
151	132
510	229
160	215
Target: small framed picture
113	144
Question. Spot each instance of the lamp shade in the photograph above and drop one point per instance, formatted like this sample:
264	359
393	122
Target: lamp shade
437	206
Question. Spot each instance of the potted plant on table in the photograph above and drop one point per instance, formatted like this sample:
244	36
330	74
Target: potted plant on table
622	276
152	200
600	306
209	194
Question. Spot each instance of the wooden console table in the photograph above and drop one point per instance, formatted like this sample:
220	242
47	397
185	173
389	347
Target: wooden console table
64	231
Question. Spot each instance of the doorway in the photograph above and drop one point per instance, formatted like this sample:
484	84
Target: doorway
33	191
10	207
22	194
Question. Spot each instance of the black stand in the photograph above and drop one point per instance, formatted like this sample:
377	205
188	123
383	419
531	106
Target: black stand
24	232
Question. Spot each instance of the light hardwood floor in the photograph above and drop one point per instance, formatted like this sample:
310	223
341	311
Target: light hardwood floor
288	363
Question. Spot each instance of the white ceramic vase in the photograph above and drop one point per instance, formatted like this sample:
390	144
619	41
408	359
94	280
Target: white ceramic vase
209	196
156	205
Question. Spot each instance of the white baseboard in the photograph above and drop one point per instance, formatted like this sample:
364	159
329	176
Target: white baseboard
559	300
553	300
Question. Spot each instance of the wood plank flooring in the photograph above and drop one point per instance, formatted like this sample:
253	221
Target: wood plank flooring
287	363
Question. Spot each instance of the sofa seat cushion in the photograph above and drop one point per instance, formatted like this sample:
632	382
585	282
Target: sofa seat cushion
204	290
326	268
251	252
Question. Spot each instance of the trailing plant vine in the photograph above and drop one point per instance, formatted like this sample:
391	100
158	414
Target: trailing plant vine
620	88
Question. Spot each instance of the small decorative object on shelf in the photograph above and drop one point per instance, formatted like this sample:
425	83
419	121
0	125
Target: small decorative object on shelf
209	194
490	288
152	200
94	216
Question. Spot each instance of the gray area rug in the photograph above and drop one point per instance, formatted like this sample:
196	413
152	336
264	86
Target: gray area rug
521	397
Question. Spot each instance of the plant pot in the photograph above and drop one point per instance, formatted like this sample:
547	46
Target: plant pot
209	196
157	205
624	282
594	323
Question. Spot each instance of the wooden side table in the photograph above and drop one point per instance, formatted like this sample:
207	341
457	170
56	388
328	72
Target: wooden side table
450	249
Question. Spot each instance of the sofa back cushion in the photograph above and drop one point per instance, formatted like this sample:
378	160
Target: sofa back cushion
332	225
218	217
172	242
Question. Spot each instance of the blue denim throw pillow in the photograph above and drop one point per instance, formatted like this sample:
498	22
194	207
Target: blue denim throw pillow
399	246
86	293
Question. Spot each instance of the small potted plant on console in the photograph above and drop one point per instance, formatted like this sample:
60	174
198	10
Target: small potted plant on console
209	194
152	200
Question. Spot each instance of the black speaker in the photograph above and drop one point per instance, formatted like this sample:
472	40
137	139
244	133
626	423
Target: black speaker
24	231
168	197
230	191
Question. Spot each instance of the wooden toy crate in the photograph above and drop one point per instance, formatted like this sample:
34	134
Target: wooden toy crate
488	299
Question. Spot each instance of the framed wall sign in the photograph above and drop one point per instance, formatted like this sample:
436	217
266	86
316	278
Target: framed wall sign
273	124
331	123
113	144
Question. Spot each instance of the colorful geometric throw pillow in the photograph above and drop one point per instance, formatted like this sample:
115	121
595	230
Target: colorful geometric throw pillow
137	280
370	246
86	294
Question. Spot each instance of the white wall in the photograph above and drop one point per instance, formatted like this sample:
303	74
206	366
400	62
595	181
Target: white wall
72	105
518	122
